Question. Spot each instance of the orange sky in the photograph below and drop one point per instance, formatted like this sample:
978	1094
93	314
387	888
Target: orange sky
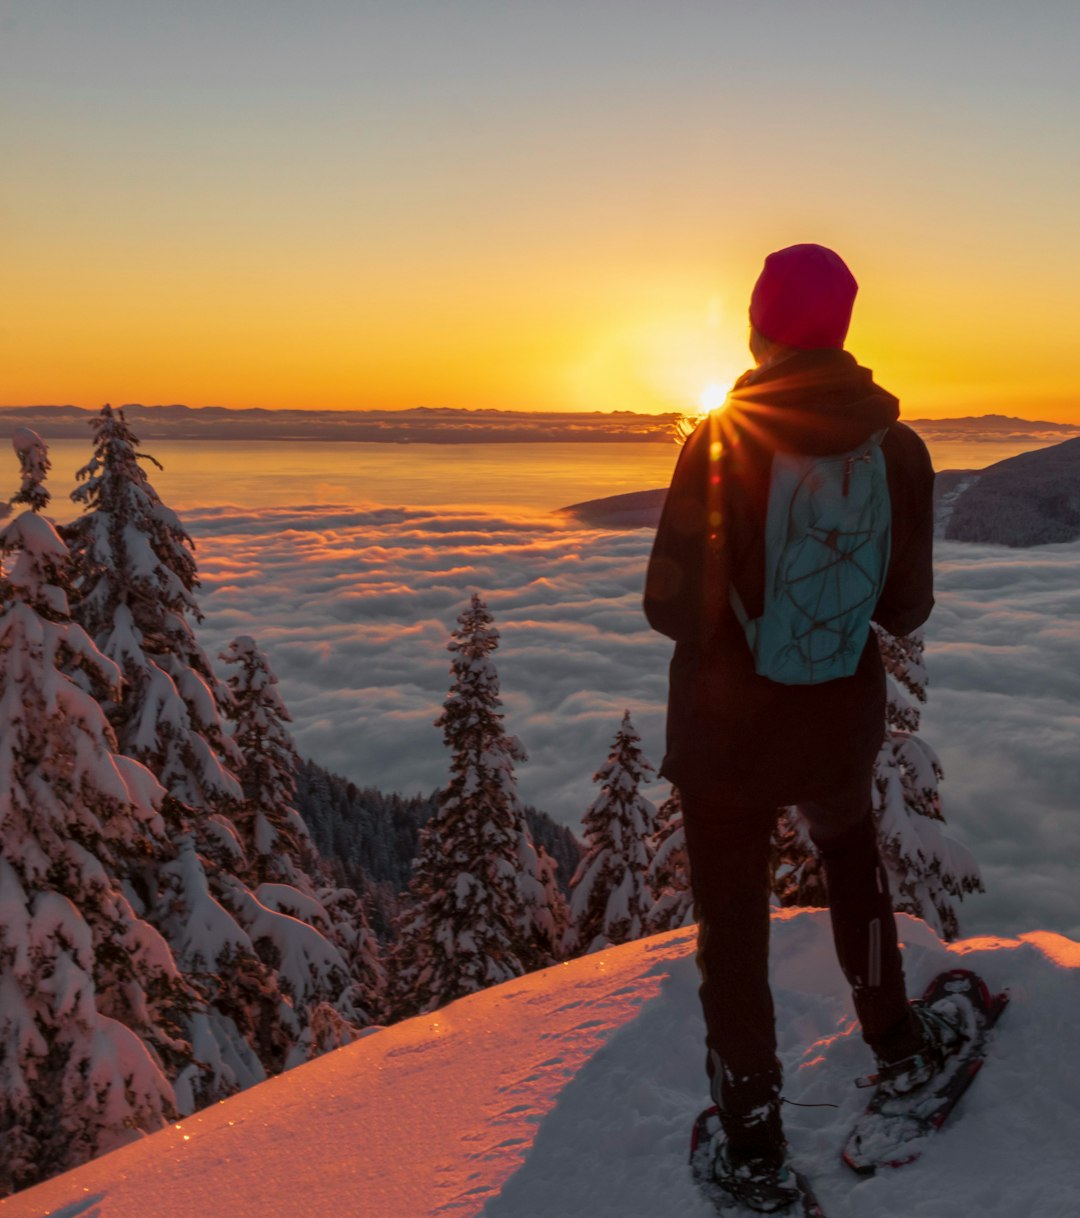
559	206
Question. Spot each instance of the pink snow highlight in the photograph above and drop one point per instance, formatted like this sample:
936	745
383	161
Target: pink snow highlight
569	1093
431	1111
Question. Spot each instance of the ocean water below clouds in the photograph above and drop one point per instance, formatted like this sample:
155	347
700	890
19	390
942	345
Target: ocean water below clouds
536	476
354	603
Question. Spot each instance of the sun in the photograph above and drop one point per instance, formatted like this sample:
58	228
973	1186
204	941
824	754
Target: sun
712	397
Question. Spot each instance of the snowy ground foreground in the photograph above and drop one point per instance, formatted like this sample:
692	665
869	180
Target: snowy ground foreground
592	1073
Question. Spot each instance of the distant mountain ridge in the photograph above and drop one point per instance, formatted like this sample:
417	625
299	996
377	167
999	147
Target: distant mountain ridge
1028	500
421	424
990	422
444	425
992	427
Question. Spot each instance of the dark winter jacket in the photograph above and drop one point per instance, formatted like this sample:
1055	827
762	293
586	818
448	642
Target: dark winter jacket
733	735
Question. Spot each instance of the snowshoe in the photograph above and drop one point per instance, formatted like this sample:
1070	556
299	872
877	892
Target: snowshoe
738	1187
913	1098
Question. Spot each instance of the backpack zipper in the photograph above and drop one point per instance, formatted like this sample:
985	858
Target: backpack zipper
849	465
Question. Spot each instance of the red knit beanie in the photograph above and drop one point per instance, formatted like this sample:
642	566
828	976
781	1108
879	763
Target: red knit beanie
803	297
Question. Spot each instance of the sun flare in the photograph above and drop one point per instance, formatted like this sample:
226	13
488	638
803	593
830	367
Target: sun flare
712	397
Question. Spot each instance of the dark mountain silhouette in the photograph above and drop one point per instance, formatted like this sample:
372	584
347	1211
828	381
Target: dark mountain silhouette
1029	500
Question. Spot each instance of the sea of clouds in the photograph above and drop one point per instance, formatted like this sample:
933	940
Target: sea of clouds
355	606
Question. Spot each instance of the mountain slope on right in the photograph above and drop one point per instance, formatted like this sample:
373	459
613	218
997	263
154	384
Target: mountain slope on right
1029	500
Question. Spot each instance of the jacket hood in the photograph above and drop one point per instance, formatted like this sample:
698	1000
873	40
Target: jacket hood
814	402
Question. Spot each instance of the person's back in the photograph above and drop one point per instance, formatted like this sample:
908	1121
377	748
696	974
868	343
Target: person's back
740	744
726	722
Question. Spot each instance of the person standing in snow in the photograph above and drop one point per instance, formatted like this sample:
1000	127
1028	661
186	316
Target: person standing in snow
740	744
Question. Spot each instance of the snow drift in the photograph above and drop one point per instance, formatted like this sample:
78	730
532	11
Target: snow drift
569	1093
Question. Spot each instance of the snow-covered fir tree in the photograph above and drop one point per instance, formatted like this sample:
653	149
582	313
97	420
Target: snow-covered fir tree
34	465
271	830
546	915
134	592
798	877
134	580
928	871
477	913
669	871
293	934
330	970
90	996
544	912
610	898
368	989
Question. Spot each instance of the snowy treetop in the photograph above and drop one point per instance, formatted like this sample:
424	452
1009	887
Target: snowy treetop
33	457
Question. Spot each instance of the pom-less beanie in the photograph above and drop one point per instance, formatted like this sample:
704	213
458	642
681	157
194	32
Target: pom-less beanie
804	297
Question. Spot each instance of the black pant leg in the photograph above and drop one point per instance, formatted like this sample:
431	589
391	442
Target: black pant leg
863	923
728	851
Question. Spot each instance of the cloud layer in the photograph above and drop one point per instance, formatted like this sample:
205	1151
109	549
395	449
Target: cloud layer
355	609
1004	714
355	606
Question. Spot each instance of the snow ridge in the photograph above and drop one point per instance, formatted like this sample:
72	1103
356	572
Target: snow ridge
571	1091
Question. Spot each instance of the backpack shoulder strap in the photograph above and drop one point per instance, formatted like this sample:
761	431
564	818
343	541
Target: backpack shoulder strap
740	609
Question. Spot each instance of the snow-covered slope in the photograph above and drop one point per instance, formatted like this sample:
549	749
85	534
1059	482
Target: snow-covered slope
569	1094
1029	500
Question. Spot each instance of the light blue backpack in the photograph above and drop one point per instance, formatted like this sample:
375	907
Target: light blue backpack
827	544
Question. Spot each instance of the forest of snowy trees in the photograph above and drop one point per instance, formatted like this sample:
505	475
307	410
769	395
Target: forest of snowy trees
188	907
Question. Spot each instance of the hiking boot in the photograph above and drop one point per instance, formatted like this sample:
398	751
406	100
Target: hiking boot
762	1182
749	1159
944	1032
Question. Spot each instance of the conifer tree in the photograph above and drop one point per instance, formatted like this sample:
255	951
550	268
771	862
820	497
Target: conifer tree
89	992
272	832
610	900
798	874
135	579
470	909
368	990
34	465
546	915
927	870
544	912
134	593
669	871
330	969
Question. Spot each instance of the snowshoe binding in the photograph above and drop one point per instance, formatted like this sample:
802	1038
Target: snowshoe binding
738	1184
914	1097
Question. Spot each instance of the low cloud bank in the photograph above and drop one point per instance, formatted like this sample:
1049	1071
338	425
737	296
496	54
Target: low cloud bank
1004	713
355	605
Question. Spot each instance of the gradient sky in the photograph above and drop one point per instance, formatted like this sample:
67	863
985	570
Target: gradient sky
561	205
